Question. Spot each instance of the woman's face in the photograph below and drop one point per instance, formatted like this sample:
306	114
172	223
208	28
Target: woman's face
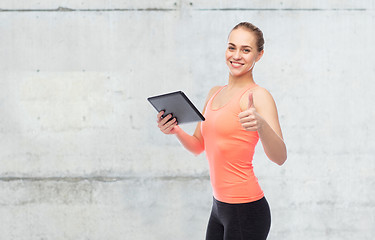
241	53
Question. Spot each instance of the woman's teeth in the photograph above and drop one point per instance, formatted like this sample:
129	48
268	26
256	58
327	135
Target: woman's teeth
236	64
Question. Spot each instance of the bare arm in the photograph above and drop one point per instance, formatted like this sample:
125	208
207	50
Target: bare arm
194	143
261	115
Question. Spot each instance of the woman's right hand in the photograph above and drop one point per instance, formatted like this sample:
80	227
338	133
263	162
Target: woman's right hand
167	127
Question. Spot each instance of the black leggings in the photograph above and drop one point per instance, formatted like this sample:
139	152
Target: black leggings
244	221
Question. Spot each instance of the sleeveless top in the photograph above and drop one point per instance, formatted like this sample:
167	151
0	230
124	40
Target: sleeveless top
229	150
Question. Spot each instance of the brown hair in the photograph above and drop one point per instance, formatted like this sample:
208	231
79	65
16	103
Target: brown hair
252	28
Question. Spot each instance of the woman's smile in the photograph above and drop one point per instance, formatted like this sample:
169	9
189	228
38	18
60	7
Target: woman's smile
236	64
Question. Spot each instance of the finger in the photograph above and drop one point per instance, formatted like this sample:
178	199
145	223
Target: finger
247	119
168	124
249	126
165	119
246	113
243	115
160	114
171	127
251	100
158	117
251	129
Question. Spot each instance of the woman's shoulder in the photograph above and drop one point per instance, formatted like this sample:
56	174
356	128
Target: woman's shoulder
260	94
213	91
210	94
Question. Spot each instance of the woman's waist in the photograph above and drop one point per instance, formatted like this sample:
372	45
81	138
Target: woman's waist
237	191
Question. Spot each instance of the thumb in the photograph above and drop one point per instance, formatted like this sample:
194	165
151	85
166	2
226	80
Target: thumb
251	101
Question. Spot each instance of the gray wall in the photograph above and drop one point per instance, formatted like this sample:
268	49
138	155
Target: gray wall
81	156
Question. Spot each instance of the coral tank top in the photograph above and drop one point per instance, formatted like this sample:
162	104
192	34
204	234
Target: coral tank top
229	150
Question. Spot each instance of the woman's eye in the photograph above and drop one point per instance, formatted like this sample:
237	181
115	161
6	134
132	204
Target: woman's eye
231	48
246	50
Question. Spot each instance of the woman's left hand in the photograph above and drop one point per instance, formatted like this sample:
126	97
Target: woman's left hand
249	118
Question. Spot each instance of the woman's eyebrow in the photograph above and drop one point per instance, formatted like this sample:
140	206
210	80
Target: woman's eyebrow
244	46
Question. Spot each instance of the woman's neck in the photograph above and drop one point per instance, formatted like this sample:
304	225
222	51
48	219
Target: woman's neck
241	81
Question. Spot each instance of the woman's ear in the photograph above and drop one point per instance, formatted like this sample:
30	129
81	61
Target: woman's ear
260	55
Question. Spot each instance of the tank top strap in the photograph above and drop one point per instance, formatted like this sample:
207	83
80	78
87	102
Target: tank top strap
214	95
239	96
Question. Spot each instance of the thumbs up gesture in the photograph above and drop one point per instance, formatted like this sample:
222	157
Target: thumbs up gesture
249	118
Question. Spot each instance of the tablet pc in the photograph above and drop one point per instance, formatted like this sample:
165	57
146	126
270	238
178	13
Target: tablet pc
178	105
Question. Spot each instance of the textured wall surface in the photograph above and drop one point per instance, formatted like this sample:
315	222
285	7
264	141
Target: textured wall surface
81	156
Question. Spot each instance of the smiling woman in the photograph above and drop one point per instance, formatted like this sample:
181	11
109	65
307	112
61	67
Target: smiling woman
237	116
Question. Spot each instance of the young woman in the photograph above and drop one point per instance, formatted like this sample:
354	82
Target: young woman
237	115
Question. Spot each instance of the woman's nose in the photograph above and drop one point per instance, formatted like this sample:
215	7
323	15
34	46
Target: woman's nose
237	55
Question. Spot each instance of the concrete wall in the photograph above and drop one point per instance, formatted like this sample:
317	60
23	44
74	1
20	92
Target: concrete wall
81	156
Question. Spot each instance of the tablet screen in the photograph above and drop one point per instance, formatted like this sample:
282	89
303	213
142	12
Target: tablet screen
178	104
